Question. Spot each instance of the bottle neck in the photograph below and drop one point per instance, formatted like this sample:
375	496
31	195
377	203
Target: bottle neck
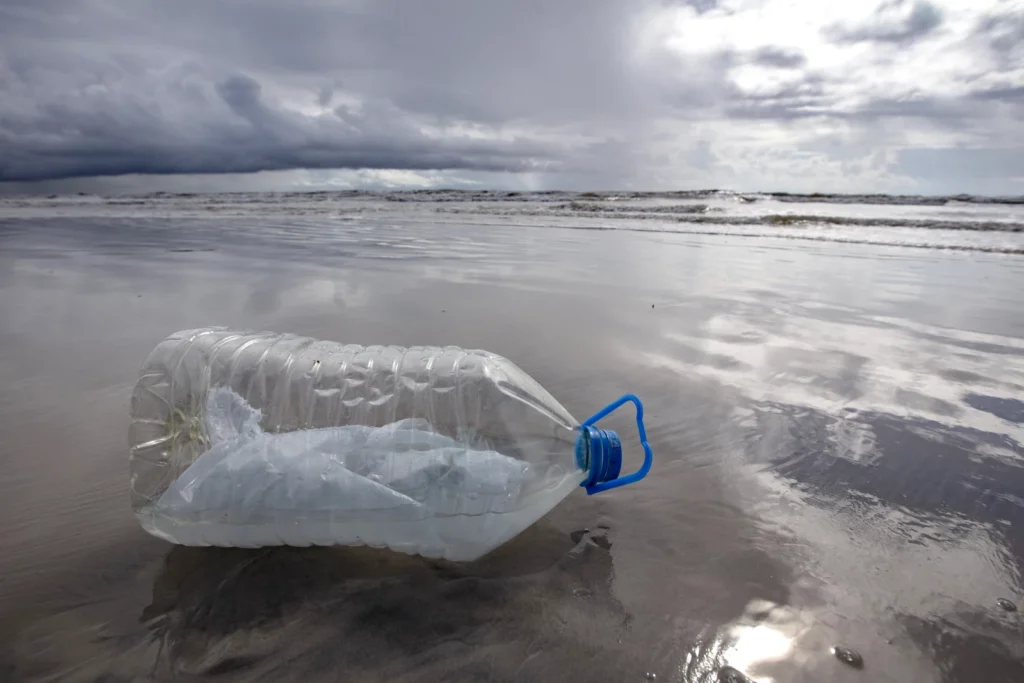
599	454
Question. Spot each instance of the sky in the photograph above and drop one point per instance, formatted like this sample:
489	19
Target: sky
897	96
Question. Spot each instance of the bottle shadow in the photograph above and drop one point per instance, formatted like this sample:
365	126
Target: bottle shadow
299	613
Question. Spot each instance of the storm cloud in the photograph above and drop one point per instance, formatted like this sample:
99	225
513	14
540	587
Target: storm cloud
896	21
537	93
783	59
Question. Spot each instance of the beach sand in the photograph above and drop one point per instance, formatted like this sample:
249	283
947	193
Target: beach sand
837	432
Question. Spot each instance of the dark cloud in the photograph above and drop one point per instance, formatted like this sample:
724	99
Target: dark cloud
579	93
231	127
1002	34
936	110
458	59
815	95
778	57
143	86
807	97
1008	95
891	24
1004	31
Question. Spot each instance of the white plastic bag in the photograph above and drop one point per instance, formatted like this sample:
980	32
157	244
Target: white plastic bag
401	471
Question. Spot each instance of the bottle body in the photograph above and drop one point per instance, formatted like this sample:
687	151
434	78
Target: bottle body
253	439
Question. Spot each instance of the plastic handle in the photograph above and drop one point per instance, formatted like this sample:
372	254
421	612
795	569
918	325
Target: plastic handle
648	453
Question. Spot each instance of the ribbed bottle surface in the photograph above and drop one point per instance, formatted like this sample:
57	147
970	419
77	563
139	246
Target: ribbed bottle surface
479	399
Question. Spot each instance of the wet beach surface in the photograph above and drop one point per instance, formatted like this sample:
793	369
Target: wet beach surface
838	432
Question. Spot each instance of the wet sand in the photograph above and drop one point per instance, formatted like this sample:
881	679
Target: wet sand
837	431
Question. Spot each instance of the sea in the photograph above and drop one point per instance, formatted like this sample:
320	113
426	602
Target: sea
834	393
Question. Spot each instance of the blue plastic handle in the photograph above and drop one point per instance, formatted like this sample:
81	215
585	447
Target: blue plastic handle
648	453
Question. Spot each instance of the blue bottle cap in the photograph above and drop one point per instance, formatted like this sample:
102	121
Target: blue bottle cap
603	449
599	451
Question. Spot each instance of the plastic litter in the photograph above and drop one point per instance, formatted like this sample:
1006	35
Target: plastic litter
256	439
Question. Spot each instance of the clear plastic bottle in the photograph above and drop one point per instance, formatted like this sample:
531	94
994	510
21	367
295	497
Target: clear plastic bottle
252	439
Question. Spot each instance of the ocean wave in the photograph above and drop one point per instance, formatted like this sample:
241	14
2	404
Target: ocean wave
831	238
472	195
698	214
703	212
906	200
591	207
451	195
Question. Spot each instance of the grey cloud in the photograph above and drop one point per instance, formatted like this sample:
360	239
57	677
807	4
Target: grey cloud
699	6
808	97
231	127
814	96
1002	35
891	25
458	59
93	87
778	57
1004	31
144	86
808	100
1009	95
704	88
935	109
242	94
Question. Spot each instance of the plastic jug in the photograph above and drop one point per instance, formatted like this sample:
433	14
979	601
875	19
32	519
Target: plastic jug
250	439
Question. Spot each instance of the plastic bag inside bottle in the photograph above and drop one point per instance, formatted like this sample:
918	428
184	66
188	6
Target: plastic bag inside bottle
401	485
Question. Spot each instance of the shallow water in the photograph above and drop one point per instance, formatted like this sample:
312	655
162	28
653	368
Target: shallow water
838	431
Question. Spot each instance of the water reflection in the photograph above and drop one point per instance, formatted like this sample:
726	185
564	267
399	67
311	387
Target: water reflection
839	458
968	644
889	451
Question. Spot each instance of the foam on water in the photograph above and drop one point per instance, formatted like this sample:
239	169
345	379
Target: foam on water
993	225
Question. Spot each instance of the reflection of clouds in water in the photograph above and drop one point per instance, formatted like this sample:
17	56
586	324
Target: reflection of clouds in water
877	558
965	641
888	516
881	365
1008	455
853	441
273	294
1010	409
870	561
91	296
937	481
